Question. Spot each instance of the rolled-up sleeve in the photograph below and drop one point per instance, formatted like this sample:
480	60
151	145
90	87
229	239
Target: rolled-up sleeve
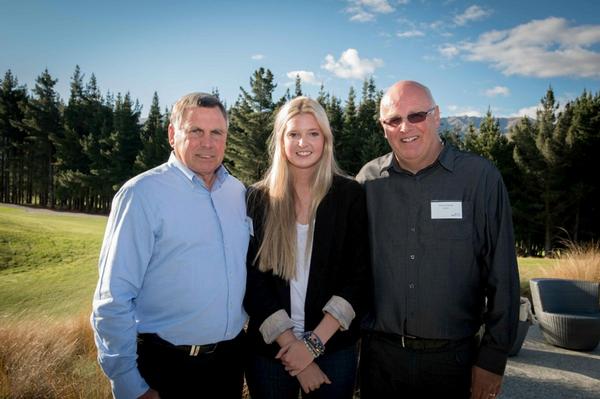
341	310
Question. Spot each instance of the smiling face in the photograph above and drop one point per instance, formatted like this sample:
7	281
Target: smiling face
415	145
303	142
199	141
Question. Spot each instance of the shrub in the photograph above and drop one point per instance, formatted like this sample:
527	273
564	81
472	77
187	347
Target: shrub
576	262
50	359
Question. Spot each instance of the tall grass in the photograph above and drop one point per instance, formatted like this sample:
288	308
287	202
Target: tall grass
50	359
576	262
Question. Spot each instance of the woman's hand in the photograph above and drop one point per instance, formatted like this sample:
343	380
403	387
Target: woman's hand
312	377
295	357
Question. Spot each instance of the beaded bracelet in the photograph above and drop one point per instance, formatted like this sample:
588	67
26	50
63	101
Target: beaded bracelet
313	343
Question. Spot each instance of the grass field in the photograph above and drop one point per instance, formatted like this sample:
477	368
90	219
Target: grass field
48	262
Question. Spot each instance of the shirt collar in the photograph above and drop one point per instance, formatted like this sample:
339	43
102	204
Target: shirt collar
446	159
221	173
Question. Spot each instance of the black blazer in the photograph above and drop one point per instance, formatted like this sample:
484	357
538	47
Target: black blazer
339	265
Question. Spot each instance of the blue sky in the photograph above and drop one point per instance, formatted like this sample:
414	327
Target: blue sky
472	54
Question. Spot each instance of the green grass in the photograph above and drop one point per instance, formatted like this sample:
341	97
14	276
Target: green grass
48	262
531	268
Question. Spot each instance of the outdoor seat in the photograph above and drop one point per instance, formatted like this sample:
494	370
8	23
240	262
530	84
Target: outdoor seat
568	312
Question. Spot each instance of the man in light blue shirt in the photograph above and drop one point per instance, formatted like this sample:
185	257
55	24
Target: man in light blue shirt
167	311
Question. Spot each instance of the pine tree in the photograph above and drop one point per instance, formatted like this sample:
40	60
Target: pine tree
13	103
297	86
581	121
372	140
155	143
250	126
43	121
347	146
124	139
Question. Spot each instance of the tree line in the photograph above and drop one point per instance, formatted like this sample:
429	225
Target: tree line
75	155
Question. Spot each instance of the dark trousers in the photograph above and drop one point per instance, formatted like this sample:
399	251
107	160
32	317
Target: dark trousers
389	370
176	374
267	378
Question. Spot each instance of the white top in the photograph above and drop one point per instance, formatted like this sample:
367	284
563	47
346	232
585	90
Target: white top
299	284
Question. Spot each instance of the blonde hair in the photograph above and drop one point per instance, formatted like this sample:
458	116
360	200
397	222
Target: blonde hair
277	252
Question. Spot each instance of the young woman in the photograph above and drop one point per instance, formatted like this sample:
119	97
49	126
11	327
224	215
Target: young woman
308	264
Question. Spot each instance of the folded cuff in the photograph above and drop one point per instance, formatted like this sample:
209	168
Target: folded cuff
341	310
275	325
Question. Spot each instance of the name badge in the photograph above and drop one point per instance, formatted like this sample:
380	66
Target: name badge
250	225
446	209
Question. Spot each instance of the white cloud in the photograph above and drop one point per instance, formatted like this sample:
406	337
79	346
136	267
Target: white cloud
540	48
257	56
365	10
455	110
473	13
497	91
307	77
410	33
350	65
527	111
449	50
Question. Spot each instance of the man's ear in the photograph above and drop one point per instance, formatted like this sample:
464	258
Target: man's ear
171	131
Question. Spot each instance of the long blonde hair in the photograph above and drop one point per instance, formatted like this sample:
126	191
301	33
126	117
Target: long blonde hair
277	252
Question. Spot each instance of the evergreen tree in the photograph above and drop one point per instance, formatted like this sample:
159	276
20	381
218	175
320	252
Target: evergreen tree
250	126
96	146
13	102
124	140
581	121
155	142
347	147
297	86
370	133
43	121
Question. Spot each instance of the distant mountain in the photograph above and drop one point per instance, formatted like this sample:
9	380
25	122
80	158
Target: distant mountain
461	123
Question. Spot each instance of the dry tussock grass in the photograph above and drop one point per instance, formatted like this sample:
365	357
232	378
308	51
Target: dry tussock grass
576	262
50	359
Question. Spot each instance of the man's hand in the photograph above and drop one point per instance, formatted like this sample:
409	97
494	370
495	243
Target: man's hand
484	384
150	394
312	377
295	357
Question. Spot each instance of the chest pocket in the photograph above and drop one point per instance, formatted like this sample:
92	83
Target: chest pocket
449	229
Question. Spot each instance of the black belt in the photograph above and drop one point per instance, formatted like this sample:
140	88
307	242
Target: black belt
191	350
417	343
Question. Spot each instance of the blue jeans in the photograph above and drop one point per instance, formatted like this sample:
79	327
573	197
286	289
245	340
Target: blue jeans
267	378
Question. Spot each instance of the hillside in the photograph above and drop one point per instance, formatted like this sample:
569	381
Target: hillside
461	123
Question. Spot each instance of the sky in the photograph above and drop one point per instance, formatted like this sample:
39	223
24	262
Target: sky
473	55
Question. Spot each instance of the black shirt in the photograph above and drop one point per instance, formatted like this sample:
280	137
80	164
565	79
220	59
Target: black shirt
442	243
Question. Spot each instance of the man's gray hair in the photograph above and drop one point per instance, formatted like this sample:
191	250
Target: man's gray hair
197	99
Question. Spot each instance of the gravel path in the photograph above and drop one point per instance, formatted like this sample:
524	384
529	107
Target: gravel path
541	370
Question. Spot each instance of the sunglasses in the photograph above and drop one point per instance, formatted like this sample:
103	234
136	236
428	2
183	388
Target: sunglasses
416	117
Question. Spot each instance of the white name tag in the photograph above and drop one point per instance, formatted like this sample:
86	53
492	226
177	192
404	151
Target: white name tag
446	209
250	225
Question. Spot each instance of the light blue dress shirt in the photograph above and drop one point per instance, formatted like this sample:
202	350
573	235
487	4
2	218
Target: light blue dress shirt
173	262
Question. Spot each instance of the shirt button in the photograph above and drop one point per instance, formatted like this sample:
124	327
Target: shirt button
411	285
412	257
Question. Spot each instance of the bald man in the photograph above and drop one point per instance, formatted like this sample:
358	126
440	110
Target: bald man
443	260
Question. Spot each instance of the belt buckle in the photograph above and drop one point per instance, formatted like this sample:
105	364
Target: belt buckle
406	336
195	349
